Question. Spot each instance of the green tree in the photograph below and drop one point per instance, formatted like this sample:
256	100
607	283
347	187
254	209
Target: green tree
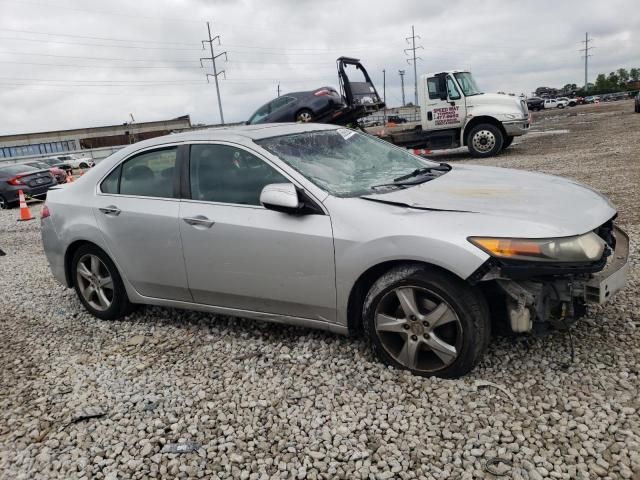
634	73
601	83
623	77
613	81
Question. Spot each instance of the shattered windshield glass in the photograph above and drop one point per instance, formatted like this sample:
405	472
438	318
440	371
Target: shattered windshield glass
343	162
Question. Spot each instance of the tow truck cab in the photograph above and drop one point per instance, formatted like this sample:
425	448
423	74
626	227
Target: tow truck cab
454	112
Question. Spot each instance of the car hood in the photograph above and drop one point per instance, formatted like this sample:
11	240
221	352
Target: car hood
556	206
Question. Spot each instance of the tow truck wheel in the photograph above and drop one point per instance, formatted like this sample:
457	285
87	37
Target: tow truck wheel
507	142
485	140
305	116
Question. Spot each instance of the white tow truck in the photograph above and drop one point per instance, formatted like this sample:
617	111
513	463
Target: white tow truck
454	112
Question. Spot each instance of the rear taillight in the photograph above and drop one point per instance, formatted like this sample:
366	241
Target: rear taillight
322	93
15	181
44	213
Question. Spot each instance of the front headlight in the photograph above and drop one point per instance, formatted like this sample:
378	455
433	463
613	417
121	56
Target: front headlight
583	248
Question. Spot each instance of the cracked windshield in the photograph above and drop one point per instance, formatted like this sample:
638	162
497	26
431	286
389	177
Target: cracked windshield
344	162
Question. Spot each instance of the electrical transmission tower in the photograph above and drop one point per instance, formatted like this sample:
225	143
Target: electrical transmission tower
215	68
401	72
586	58
412	40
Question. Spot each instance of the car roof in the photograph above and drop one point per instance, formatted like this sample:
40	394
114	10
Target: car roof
239	133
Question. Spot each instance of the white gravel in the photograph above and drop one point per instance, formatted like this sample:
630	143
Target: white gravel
243	399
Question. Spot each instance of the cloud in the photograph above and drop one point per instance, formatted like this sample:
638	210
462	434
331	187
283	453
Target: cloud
72	64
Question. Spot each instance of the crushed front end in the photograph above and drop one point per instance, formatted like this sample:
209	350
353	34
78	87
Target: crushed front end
536	297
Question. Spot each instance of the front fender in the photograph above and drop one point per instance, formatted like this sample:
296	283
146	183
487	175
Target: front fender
352	260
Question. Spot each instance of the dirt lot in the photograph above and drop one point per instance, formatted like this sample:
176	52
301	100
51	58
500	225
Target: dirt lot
268	401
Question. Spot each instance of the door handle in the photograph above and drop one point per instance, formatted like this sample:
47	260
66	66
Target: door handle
110	210
199	220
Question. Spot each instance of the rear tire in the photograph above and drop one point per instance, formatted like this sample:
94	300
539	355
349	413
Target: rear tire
84	165
445	336
304	116
99	275
485	140
4	204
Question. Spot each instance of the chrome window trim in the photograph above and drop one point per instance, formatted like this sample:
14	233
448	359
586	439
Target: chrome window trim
264	156
163	146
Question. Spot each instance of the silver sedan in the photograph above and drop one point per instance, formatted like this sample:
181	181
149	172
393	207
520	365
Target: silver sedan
330	228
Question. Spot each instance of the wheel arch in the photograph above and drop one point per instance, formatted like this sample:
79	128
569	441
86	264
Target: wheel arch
364	282
477	121
70	253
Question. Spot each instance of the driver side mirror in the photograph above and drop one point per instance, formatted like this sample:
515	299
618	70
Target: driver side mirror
281	197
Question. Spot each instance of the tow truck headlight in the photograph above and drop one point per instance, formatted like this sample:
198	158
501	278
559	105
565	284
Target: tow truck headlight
583	248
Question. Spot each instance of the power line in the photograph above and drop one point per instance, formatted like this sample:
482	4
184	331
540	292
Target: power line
81	44
129	67
130	40
95	58
415	59
101	12
215	70
586	56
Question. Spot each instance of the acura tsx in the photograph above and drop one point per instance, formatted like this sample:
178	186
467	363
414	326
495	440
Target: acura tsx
326	227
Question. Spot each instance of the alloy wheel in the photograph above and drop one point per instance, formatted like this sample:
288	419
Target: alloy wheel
304	117
418	328
483	140
95	282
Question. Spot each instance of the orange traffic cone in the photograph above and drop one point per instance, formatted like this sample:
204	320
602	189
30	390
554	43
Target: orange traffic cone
25	214
69	177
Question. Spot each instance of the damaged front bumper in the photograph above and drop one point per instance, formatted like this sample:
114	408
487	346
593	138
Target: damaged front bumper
540	295
613	277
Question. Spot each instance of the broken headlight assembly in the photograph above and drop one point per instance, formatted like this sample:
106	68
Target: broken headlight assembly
581	248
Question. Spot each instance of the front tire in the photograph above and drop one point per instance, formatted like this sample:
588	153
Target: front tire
425	321
485	140
98	284
4	204
84	165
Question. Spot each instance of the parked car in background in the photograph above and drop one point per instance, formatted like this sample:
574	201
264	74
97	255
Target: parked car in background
573	102
396	119
54	162
327	227
637	103
58	173
311	106
34	182
554	103
535	103
592	99
76	161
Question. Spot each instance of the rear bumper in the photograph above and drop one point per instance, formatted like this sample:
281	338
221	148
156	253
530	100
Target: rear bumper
53	250
516	127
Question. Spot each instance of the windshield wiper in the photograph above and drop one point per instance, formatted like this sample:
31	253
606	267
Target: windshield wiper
443	167
418	176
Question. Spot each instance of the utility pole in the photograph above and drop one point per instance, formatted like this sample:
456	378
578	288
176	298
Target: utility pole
278	89
401	72
586	58
215	69
414	60
384	94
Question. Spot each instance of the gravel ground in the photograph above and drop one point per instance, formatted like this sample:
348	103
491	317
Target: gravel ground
269	401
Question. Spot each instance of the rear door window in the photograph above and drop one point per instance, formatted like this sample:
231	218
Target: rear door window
149	174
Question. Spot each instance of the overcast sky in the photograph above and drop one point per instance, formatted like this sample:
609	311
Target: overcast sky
76	63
